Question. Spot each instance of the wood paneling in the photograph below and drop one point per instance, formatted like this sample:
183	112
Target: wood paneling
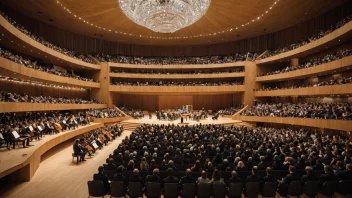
29	163
174	102
178	76
249	83
23	106
166	67
97	44
19	42
310	91
344	125
103	94
344	34
38	90
326	68
111	120
177	89
12	69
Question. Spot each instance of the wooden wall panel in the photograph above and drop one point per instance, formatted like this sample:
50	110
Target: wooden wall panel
173	102
145	102
37	90
257	44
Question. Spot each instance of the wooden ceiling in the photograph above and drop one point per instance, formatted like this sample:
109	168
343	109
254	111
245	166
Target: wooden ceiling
222	15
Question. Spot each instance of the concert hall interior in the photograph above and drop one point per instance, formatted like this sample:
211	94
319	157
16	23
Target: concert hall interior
175	98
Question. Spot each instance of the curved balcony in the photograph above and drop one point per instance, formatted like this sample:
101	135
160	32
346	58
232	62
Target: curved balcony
28	164
189	66
344	125
327	68
177	76
12	69
172	90
14	39
24	106
345	89
332	39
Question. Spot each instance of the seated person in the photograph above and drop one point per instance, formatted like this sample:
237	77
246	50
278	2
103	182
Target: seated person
203	178
328	176
110	165
79	150
119	175
135	177
233	179
101	177
309	176
170	178
347	174
155	178
187	179
292	176
217	177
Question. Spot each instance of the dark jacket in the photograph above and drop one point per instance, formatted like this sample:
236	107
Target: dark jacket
136	178
345	175
121	178
233	180
186	180
290	178
171	179
309	177
253	178
104	179
326	177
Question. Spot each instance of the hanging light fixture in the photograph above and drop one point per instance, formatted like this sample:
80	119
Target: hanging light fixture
164	16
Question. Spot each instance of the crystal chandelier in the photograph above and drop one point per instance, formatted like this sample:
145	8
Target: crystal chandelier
164	16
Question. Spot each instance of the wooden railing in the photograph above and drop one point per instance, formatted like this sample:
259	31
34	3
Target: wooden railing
12	69
342	33
309	91
15	37
24	107
344	125
336	65
166	67
177	89
178	76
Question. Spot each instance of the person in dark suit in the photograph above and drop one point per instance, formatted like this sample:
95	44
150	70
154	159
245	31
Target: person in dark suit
119	175
249	165
155	178
78	150
254	177
135	177
262	165
233	179
347	174
268	177
328	176
170	178
292	176
101	177
187	179
110	165
309	176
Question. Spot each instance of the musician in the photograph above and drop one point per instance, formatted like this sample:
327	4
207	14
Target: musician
79	150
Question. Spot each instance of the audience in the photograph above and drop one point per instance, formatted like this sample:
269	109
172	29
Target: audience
339	81
189	145
313	62
151	71
35	65
46	43
176	83
14	97
176	60
134	113
230	110
315	37
336	111
104	113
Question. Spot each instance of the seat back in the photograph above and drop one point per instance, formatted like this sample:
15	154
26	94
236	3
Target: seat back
252	189
135	189
329	188
118	189
153	189
235	190
188	190
344	187
96	189
110	174
204	190
269	189
219	190
171	190
295	188
311	188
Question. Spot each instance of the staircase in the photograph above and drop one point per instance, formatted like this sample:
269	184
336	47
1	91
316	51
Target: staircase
130	126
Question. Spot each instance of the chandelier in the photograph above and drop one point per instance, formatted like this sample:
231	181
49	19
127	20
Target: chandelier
164	16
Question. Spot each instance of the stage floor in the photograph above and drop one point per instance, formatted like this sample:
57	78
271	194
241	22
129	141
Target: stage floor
154	120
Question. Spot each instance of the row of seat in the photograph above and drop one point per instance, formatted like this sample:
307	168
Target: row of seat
207	190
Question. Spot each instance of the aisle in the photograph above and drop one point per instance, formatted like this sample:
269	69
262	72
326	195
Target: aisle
58	177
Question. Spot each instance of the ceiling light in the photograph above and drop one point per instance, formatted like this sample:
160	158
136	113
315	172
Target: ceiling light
164	16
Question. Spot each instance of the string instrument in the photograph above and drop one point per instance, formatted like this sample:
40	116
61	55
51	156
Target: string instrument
108	135
102	139
58	126
87	146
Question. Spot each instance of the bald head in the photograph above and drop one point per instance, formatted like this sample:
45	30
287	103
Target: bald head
188	172
135	171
